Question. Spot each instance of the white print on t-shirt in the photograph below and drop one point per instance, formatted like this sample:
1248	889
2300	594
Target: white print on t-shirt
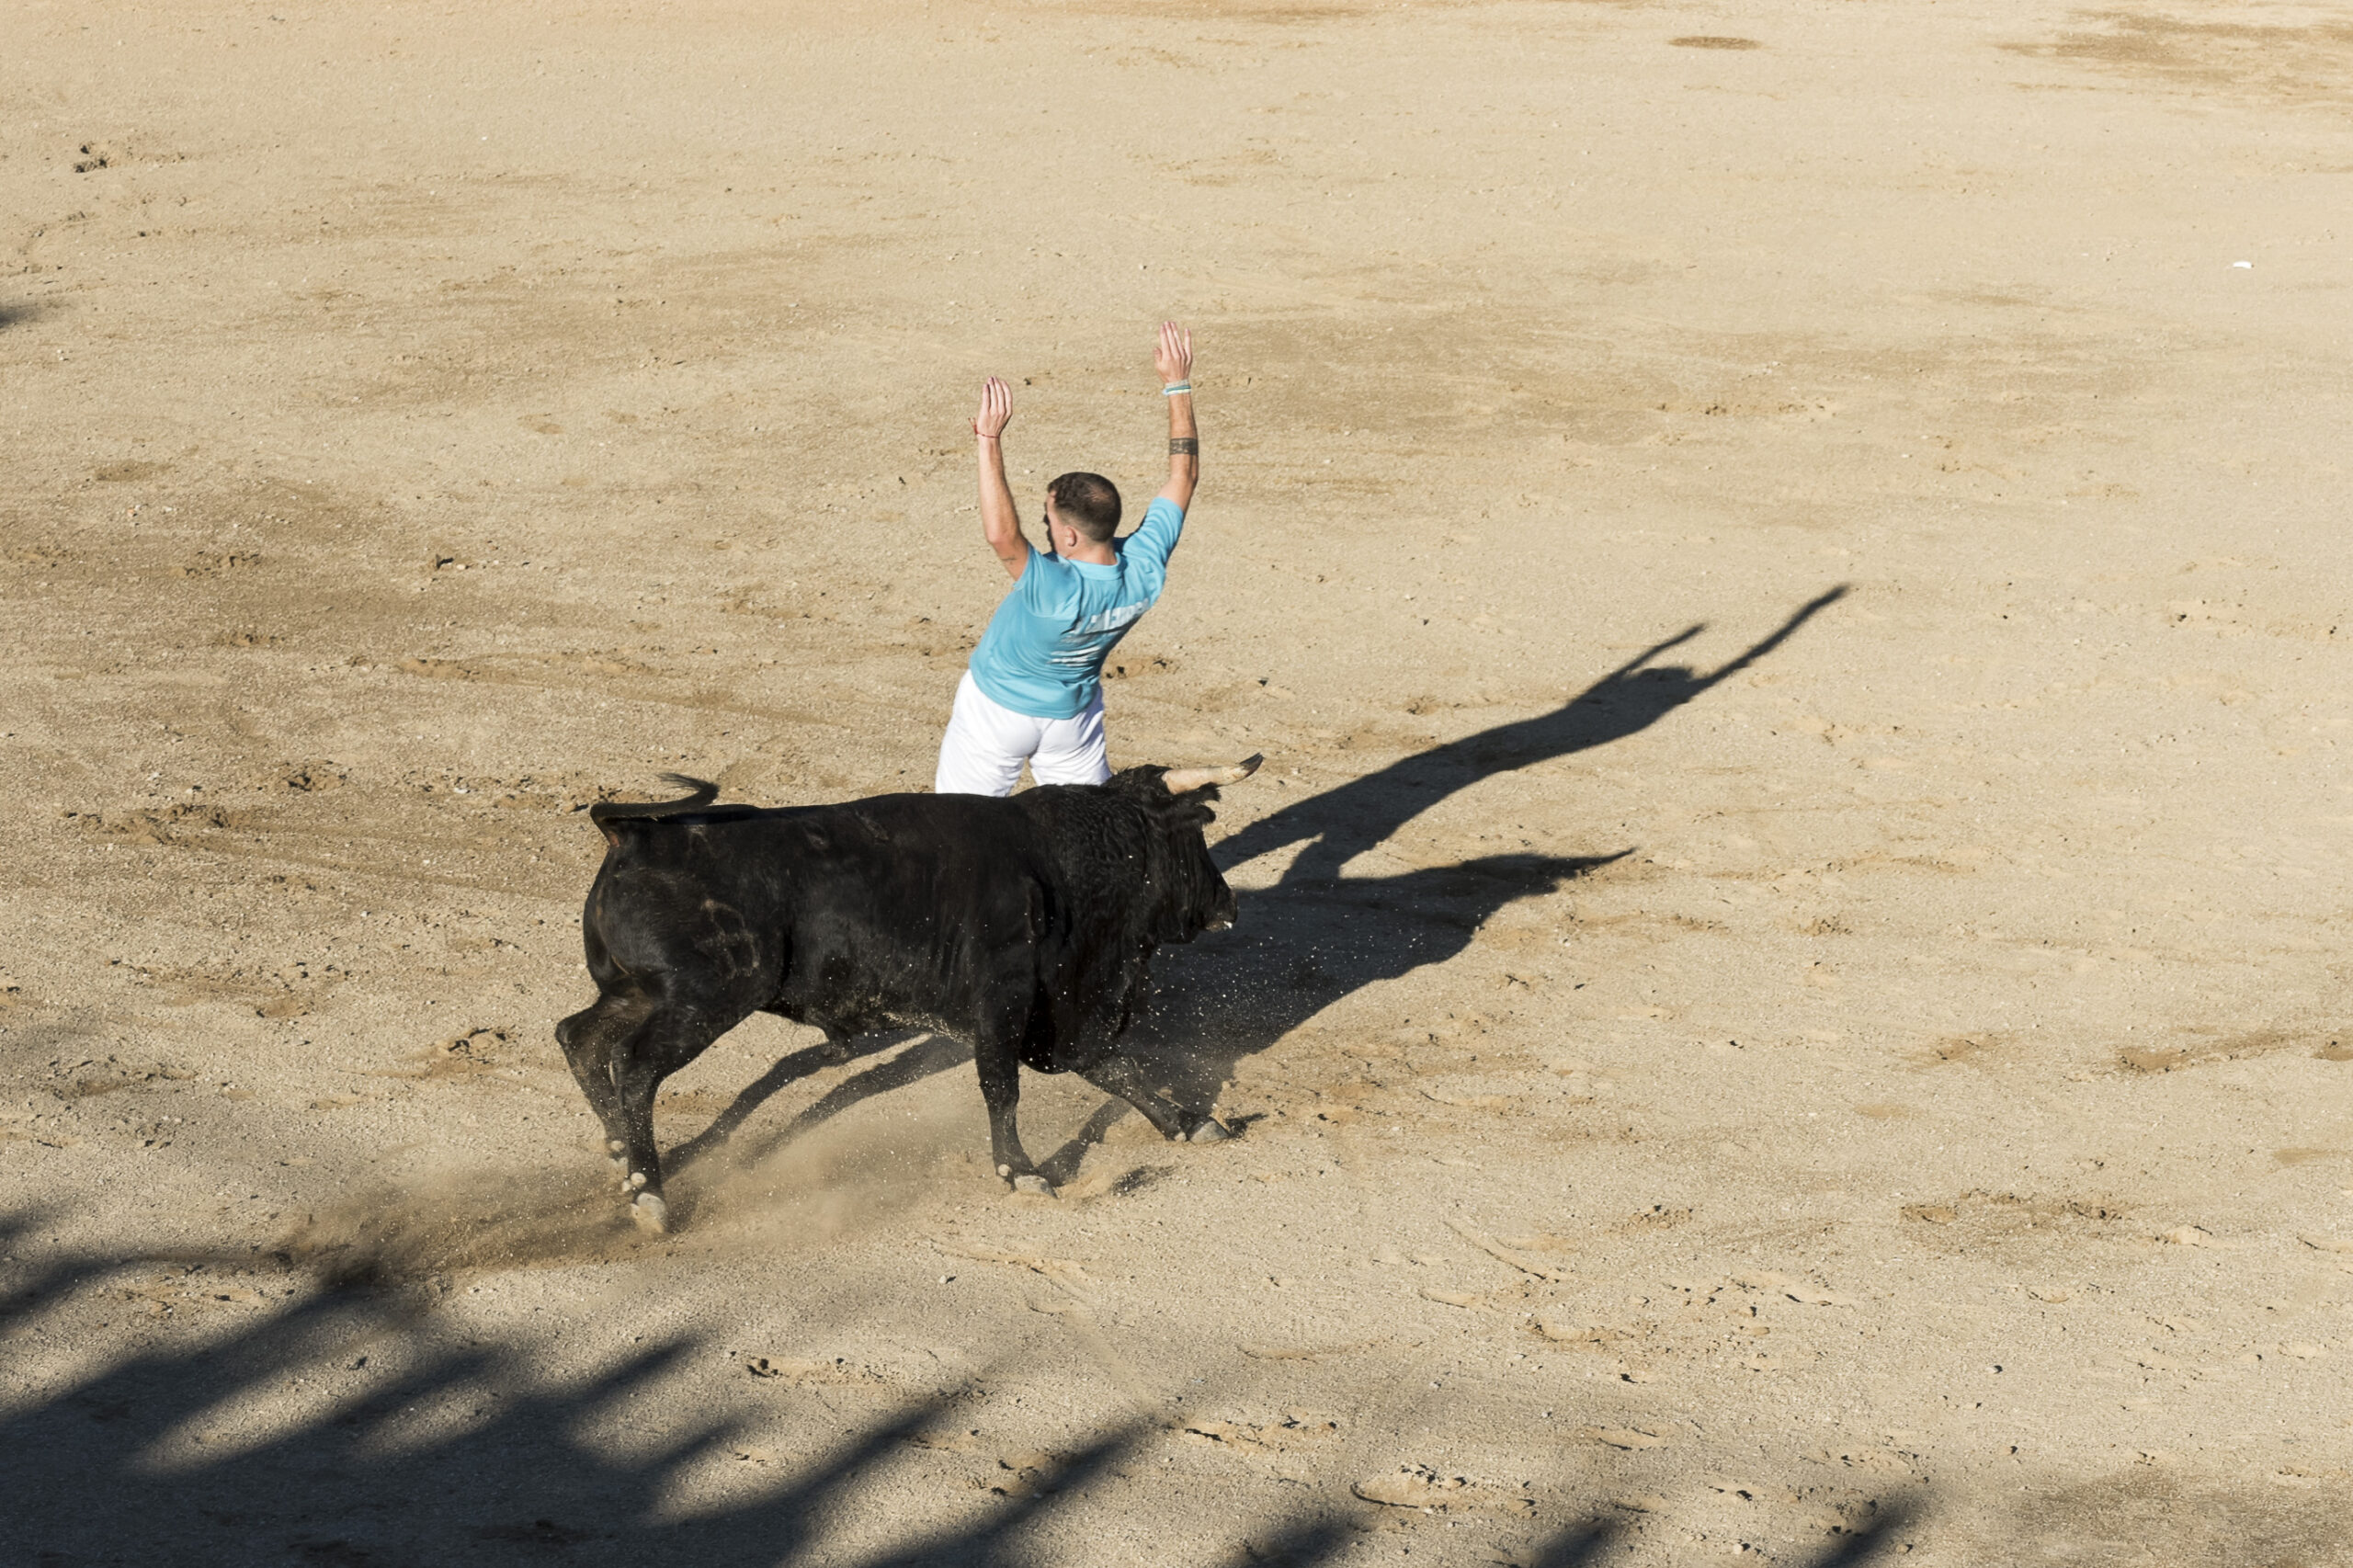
1111	619
1114	619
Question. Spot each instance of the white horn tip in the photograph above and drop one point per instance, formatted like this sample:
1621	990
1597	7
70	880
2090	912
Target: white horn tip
1184	780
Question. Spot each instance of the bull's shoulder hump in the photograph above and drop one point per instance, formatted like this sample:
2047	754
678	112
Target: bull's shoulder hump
948	818
897	826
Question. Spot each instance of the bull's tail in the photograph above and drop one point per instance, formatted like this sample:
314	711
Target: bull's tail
704	792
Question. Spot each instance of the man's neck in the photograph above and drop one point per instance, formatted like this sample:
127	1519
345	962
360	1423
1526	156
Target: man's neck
1094	554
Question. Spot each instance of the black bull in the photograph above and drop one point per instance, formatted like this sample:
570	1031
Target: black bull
1024	928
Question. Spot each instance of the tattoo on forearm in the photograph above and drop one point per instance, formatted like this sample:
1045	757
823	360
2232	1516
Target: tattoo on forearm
1183	446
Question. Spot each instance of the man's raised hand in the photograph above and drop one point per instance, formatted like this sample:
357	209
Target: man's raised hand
1174	355
996	410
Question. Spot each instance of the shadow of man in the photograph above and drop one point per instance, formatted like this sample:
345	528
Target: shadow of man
1316	937
1344	821
1307	948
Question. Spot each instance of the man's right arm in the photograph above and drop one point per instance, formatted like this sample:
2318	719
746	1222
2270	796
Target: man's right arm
1000	524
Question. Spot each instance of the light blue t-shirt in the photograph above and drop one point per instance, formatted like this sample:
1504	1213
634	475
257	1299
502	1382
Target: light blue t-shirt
1043	652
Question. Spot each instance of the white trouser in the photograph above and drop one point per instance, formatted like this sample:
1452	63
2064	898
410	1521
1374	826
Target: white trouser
987	742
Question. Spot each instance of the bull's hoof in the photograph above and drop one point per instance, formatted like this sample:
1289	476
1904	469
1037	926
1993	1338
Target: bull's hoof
1034	1185
652	1215
1208	1131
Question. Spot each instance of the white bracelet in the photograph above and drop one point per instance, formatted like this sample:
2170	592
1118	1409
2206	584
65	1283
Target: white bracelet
1175	388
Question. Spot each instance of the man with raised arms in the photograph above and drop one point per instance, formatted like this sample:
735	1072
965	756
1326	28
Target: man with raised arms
1034	690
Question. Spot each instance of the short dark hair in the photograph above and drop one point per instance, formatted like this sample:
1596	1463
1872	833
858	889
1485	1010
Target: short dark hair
1087	501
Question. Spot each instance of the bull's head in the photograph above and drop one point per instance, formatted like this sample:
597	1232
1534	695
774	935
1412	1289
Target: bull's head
1190	896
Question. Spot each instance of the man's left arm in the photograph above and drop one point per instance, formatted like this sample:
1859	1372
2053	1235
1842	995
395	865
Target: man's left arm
1173	358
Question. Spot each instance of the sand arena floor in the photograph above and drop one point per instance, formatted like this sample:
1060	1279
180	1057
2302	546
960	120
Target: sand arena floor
1789	563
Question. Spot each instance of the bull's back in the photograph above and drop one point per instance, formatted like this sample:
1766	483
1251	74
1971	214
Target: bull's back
901	902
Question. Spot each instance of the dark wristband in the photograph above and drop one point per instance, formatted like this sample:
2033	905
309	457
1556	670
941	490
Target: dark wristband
1183	446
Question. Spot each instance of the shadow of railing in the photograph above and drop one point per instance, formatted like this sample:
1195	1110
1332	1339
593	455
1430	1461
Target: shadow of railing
201	1452
271	1441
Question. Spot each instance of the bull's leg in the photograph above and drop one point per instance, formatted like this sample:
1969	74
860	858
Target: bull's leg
663	1044
1118	1076
1000	1066
588	1038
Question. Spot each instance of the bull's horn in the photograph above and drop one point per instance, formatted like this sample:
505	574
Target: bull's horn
1184	780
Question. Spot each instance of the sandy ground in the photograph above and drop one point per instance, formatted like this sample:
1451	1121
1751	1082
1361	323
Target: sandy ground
1789	563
